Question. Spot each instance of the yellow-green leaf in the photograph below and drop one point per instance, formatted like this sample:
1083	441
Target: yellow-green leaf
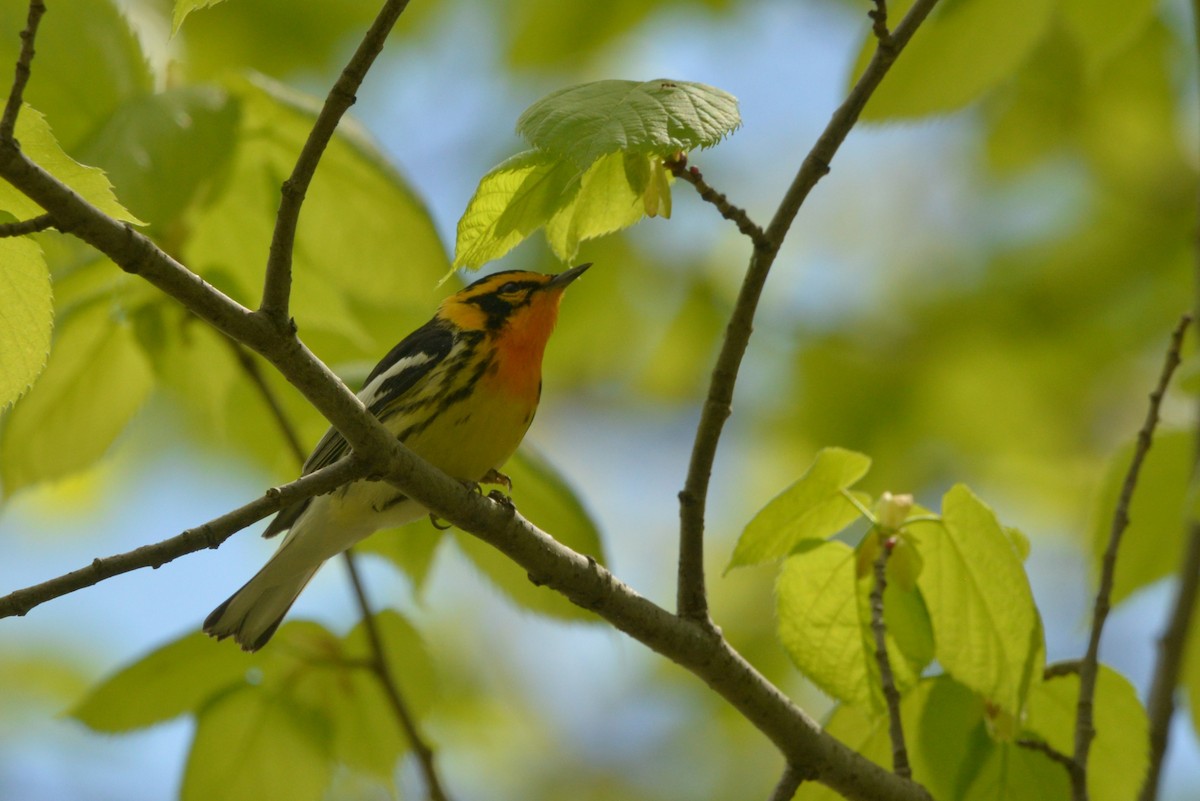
185	7
1101	28
26	316
985	624
812	508
95	381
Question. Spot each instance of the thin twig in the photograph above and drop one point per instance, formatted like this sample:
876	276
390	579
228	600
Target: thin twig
208	535
8	123
1089	667
378	661
383	671
886	678
1065	667
735	214
1043	747
277	285
879	17
23	227
692	599
788	784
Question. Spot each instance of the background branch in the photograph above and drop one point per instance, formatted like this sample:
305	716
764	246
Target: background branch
23	227
692	600
277	285
886	679
208	535
1089	667
16	96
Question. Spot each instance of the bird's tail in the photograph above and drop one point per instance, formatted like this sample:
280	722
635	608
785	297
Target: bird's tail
252	614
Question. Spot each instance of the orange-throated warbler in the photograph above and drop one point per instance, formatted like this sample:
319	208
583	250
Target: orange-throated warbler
460	391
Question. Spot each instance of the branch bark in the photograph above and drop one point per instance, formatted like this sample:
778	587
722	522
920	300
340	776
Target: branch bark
891	695
1089	666
16	96
692	598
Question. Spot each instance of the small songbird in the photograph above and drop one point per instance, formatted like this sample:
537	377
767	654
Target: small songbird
460	391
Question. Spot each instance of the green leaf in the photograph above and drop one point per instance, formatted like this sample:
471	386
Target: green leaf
178	677
545	498
251	745
1151	544
149	145
356	210
88	63
513	200
1009	771
39	144
26	316
95	381
185	7
964	49
985	624
812	508
1118	757
1102	28
660	117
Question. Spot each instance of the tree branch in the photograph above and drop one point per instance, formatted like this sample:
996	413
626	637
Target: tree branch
382	670
23	227
1043	747
788	784
277	285
680	169
8	123
208	535
1089	667
888	681
692	600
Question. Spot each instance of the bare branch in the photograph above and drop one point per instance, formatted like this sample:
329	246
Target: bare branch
1089	667
277	286
16	95
208	535
24	227
382	670
1043	747
890	694
692	601
680	169
274	406
879	16
788	784
1065	667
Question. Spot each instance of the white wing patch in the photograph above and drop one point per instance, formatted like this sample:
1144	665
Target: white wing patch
373	391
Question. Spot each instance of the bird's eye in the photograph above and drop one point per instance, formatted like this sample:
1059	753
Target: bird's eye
509	288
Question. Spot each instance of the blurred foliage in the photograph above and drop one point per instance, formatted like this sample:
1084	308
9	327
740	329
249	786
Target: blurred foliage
1018	365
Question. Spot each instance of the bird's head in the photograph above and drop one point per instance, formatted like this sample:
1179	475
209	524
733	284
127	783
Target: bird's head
513	303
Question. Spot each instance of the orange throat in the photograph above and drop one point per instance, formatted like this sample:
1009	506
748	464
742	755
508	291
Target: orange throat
520	346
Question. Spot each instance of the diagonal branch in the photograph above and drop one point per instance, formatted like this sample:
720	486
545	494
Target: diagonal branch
8	123
788	784
208	535
33	225
1089	667
735	214
277	286
692	601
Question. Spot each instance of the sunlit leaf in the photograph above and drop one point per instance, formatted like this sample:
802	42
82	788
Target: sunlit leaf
545	497
39	144
812	508
1010	771
250	745
177	678
985	624
1101	29
185	7
26	316
1152	542
95	381
964	49
661	117
1118	758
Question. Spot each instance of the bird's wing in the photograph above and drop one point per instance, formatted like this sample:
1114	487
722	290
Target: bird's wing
395	375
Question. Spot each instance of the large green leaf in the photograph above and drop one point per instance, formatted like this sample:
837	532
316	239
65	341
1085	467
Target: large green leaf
812	508
252	745
356	211
88	63
177	678
26	316
39	144
1158	513
1118	758
185	7
95	381
545	497
661	117
985	624
964	49
1101	28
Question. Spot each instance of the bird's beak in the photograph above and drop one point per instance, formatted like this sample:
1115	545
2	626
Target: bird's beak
561	280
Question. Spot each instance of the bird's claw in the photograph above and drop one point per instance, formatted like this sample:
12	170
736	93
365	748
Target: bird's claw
494	476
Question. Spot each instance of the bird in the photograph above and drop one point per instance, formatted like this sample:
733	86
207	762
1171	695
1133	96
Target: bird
460	391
